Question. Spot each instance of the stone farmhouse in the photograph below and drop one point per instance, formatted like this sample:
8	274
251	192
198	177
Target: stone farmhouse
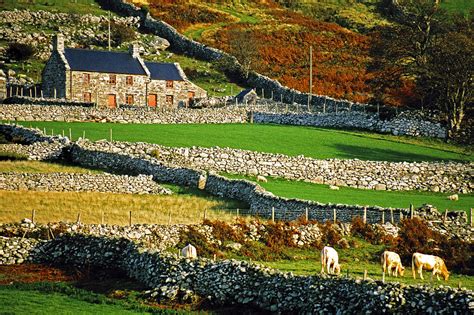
111	79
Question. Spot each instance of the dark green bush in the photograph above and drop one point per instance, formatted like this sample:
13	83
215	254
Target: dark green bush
19	51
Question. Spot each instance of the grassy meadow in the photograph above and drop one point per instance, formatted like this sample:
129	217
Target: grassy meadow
312	142
354	261
353	196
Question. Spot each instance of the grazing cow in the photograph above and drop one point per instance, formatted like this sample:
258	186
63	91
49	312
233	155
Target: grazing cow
330	258
392	260
454	197
189	251
429	262
262	179
332	187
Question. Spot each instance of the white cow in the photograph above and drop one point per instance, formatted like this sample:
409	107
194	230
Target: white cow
189	251
429	262
392	260
330	260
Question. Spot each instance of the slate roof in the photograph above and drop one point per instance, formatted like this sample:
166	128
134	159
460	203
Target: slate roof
164	71
103	61
242	94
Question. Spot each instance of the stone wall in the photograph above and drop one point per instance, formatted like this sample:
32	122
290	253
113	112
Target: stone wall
135	159
400	125
230	282
25	100
106	183
123	115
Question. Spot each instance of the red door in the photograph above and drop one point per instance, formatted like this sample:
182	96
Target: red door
112	101
191	95
152	100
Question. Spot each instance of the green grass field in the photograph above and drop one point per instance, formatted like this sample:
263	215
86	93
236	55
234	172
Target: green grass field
352	196
312	142
354	261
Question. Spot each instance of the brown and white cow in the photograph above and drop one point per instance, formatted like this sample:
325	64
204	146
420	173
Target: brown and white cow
189	251
428	262
330	260
390	261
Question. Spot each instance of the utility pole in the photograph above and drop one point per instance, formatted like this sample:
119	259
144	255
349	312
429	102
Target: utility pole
109	31
310	75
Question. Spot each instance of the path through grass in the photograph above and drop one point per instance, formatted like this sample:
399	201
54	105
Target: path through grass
318	143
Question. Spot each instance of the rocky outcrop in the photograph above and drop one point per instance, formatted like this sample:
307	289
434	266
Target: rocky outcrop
62	182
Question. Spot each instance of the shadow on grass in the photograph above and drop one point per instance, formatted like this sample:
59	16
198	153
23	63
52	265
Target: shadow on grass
374	154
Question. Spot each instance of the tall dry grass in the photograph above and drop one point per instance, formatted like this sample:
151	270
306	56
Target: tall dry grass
114	208
41	167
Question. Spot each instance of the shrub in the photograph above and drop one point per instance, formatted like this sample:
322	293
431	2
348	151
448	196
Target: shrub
369	233
198	240
121	33
12	156
224	232
330	236
19	51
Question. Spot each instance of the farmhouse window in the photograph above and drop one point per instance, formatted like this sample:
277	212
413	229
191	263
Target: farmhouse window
129	80
87	97
129	99
112	78
169	84
169	99
87	78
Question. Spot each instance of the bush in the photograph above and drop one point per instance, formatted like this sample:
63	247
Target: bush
330	236
224	232
12	156
198	240
19	51
416	236
369	233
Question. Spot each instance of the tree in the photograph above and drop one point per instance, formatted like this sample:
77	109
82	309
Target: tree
19	51
431	49
451	76
244	48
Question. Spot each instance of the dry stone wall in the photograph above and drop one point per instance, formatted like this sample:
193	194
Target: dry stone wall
230	282
107	183
32	110
135	159
122	115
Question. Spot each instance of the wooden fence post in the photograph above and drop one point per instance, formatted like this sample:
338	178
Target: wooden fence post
306	214
33	215
63	133
365	274
383	217
83	134
391	216
445	215
78	218
401	215
237	212
365	215
205	214
334	214
130	219
70	134
472	217
44	131
273	214
411	211
169	217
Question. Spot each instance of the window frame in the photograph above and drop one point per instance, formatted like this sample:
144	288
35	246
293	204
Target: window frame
87	97
129	79
129	99
112	79
169	84
86	78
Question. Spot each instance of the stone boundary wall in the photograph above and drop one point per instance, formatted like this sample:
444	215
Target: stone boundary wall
115	157
105	183
24	100
231	282
379	175
122	115
261	202
400	125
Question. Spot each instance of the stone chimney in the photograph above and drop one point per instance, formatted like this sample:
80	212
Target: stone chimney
58	42
134	50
